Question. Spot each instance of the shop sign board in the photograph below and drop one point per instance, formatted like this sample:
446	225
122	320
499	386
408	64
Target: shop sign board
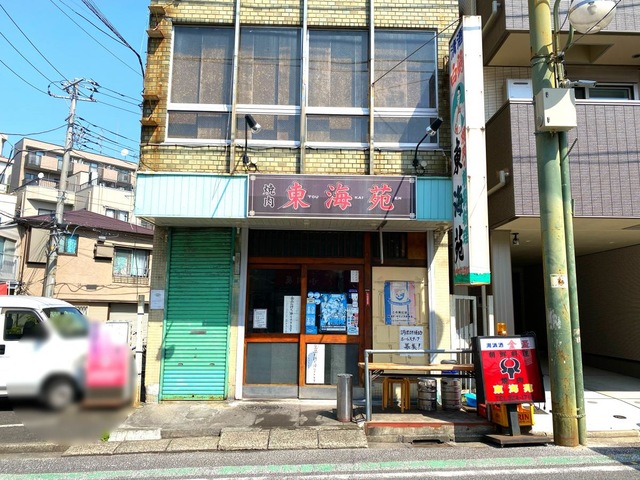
469	171
509	370
332	196
399	303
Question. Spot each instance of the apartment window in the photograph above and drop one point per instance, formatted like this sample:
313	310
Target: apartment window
338	87
405	86
201	82
128	262
46	211
117	214
269	86
269	82
68	244
604	91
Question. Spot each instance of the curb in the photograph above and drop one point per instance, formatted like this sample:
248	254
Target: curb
34	447
600	434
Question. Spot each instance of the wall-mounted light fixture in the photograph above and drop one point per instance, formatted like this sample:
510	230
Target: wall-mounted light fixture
249	123
431	131
591	16
515	239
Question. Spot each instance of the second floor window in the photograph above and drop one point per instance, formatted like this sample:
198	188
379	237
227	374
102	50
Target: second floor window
68	244
271	73
117	214
129	262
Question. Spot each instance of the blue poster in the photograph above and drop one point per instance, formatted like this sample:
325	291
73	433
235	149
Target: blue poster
333	312
310	316
399	303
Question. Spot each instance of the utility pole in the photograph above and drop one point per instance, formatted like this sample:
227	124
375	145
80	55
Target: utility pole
554	252
73	90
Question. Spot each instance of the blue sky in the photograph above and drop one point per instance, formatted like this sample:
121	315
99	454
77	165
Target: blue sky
68	46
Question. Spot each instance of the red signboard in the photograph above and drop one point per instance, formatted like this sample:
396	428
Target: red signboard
331	196
510	370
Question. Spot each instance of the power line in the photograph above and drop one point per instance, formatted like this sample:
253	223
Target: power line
35	133
96	11
416	50
32	44
25	58
115	106
137	104
118	93
95	39
25	81
107	130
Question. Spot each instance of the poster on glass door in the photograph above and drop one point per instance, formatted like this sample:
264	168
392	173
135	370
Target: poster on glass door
291	320
333	312
399	303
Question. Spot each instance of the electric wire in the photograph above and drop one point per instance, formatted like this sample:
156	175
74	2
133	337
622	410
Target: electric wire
32	44
102	102
118	93
26	59
96	11
21	78
137	104
107	130
95	39
86	131
35	133
416	50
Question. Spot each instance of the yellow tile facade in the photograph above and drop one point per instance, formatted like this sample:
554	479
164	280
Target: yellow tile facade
441	15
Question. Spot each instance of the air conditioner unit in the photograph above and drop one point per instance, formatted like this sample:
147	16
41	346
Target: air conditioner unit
518	89
103	251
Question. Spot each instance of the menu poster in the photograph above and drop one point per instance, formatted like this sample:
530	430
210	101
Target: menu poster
259	318
291	322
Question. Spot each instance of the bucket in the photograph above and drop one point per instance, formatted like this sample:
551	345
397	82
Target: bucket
451	392
427	394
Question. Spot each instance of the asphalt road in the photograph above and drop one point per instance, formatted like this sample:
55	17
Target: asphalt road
26	421
469	461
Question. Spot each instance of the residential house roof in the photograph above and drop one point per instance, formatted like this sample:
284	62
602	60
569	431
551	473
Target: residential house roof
89	220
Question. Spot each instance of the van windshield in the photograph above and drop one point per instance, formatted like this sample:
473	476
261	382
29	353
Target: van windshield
68	321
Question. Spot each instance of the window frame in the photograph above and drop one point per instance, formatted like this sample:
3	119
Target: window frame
62	243
118	250
632	88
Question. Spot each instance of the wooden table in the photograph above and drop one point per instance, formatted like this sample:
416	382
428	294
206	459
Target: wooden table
377	369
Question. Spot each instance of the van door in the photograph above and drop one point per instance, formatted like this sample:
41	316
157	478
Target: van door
22	338
3	361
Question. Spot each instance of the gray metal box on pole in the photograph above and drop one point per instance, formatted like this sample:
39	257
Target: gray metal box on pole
344	408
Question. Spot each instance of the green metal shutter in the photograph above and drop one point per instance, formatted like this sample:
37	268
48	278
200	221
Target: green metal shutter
196	328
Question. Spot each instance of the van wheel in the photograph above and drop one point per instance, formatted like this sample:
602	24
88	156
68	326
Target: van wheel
58	394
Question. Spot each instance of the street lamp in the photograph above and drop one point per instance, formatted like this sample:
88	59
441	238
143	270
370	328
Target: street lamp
556	222
249	123
431	131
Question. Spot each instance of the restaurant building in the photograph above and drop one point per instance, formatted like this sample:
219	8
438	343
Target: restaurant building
282	253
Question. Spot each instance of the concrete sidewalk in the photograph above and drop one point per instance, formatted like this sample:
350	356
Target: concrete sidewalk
612	406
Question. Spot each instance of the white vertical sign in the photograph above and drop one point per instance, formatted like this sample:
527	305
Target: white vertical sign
291	321
468	154
315	363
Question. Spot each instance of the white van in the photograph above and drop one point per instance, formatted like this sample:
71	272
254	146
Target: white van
43	348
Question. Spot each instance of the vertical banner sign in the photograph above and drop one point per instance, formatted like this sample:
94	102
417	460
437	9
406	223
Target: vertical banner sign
291	320
510	371
469	170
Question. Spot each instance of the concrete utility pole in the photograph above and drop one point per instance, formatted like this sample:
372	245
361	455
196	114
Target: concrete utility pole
558	318
73	89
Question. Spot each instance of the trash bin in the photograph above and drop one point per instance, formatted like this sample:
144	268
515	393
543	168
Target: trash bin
344	408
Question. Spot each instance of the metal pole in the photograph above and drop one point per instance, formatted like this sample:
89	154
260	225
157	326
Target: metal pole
140	317
561	369
54	237
573	287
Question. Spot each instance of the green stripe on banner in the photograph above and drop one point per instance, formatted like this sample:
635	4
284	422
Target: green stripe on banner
473	279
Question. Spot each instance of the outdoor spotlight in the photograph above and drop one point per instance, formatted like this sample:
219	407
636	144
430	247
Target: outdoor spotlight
252	124
433	128
591	16
255	127
516	239
431	131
